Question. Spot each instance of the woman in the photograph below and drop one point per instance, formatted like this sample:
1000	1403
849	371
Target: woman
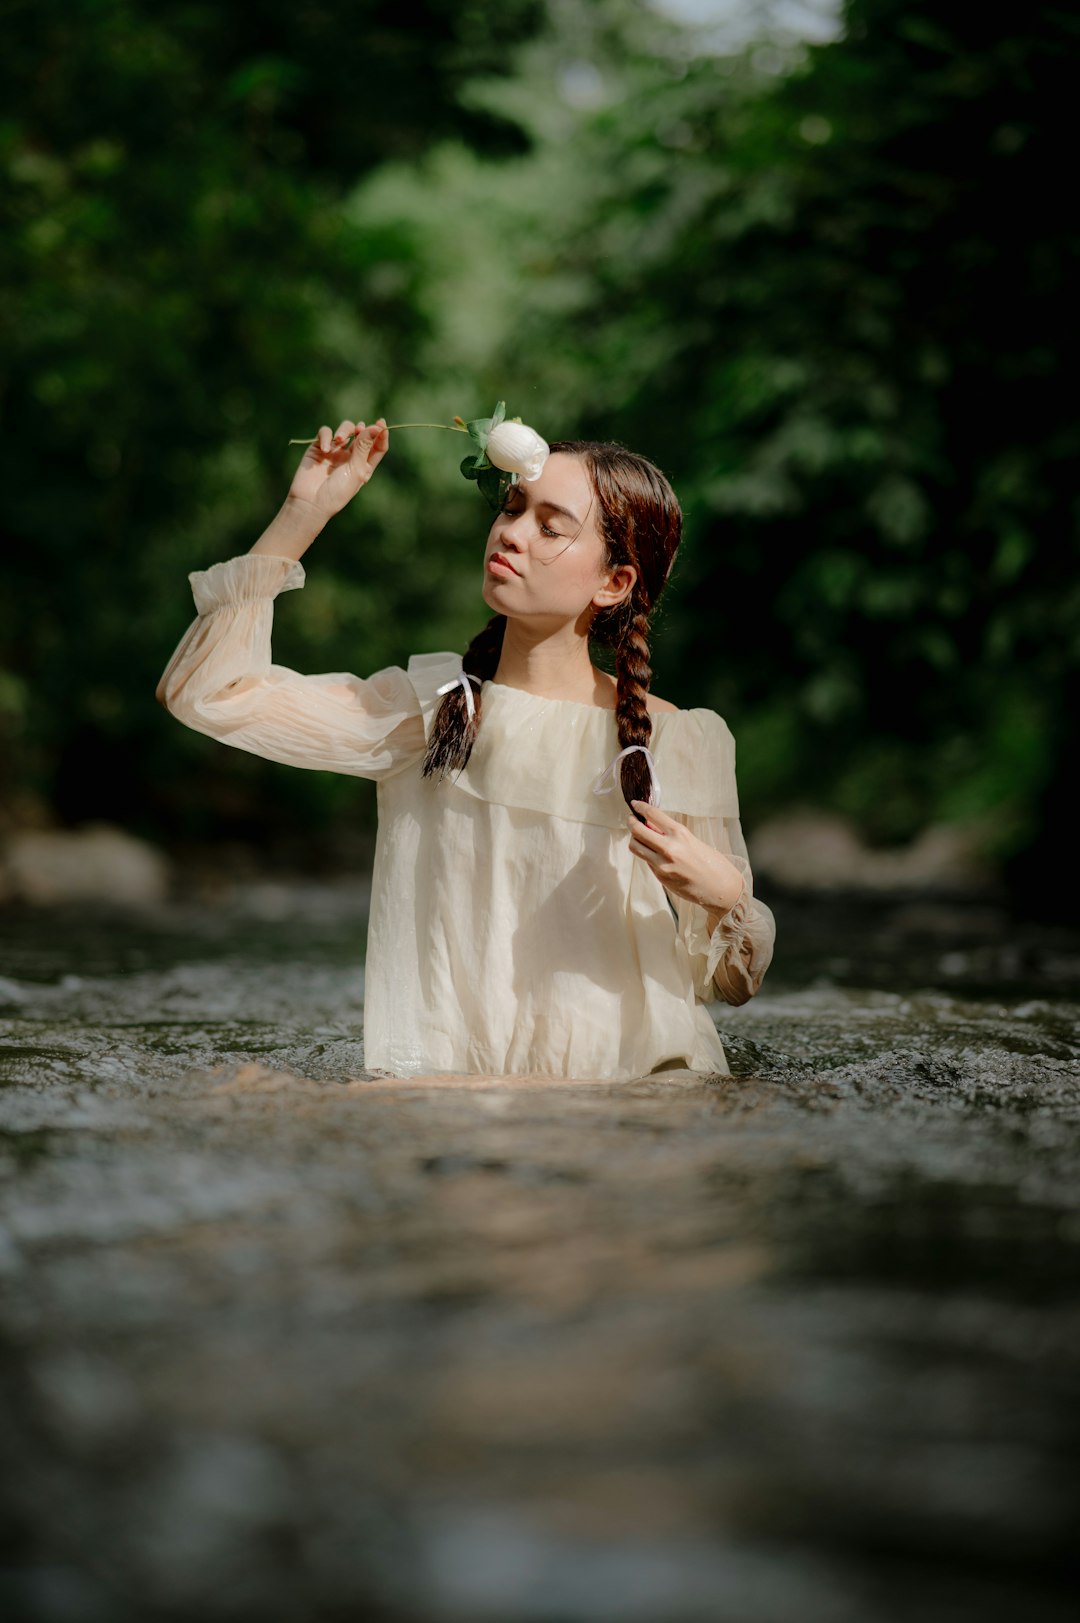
524	920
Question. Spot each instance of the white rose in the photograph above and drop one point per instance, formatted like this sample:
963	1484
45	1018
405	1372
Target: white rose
516	448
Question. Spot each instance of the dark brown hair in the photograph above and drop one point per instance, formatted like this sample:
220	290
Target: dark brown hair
641	524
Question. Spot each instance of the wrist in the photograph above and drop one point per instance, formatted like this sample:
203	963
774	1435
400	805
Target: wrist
306	518
725	905
292	530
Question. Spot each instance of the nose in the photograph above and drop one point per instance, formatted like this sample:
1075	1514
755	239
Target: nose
511	531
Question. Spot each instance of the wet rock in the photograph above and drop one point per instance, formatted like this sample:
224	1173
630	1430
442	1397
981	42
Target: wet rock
96	863
820	851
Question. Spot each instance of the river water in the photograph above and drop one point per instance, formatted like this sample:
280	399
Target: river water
282	1341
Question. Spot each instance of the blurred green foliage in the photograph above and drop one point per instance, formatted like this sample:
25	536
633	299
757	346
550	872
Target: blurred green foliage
826	288
183	290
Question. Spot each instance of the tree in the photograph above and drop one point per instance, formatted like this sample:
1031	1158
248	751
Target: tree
833	304
183	292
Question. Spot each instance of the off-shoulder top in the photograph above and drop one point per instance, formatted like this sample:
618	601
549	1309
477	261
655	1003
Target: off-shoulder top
512	930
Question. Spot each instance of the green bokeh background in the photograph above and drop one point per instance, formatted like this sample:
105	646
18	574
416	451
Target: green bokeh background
829	289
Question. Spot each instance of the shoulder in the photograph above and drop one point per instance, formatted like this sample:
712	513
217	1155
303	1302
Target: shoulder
695	753
654	704
697	734
428	673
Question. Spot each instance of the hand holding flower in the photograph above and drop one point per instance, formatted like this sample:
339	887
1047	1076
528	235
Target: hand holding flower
335	466
506	451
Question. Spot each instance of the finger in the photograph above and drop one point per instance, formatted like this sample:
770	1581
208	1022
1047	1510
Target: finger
649	835
359	441
325	439
345	428
639	850
380	443
657	818
372	445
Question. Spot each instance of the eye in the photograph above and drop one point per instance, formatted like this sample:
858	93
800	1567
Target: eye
515	512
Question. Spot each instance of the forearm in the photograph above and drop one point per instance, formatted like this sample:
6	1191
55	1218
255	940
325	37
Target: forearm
738	974
734	978
732	986
748	932
229	640
726	898
291	531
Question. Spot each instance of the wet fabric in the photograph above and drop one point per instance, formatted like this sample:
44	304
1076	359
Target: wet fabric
512	930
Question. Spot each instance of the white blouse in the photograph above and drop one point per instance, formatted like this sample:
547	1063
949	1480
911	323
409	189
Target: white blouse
512	930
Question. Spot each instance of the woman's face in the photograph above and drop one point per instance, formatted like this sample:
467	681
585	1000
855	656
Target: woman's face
545	555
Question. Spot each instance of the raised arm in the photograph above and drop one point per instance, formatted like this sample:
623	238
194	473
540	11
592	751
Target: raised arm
221	679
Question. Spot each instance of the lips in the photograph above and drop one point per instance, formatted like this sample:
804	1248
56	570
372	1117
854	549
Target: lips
499	564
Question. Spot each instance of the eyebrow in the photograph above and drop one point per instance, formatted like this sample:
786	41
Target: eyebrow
555	508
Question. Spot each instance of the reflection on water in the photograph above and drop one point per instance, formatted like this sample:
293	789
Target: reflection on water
280	1341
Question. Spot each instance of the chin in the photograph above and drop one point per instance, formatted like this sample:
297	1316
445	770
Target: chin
490	593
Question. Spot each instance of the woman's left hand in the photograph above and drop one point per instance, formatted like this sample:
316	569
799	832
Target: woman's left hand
684	865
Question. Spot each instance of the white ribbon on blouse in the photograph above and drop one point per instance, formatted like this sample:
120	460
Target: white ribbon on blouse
602	788
462	679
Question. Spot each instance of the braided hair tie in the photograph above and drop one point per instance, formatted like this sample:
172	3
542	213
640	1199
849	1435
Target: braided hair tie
601	787
462	679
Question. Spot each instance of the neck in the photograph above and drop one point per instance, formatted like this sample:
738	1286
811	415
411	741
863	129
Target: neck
551	664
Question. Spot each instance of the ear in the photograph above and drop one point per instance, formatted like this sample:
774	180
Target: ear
620	584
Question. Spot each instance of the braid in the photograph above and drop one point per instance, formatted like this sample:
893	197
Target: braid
453	733
634	673
640	522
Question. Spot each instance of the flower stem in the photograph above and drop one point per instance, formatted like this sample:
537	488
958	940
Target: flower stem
455	428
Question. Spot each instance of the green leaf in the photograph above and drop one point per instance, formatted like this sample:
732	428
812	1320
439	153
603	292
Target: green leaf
473	466
493	483
480	428
500	413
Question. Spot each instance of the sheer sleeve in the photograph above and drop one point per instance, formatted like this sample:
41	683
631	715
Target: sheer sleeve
221	681
731	962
